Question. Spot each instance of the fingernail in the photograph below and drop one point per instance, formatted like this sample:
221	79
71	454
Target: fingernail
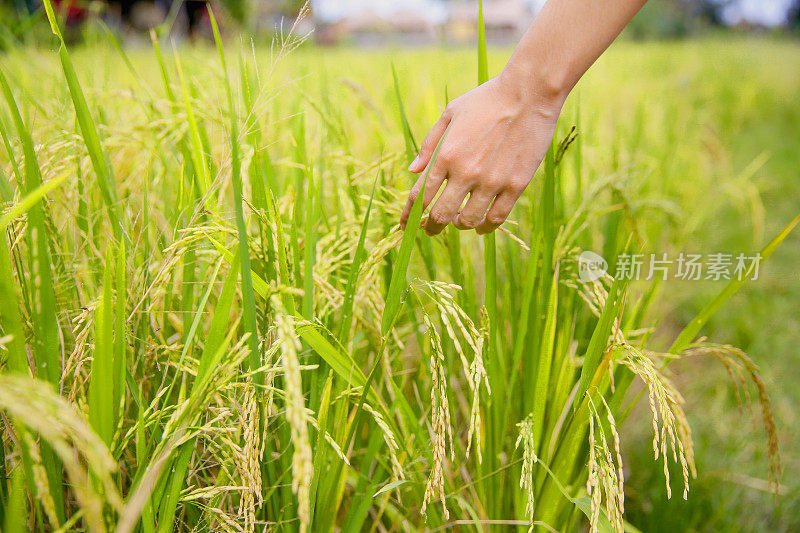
413	164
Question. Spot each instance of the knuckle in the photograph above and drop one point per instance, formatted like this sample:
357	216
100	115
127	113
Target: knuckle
469	222
470	176
439	218
446	157
495	219
493	183
517	187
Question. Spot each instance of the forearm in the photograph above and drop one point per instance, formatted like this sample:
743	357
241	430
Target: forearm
565	39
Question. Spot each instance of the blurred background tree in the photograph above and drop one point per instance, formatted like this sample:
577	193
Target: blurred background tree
239	10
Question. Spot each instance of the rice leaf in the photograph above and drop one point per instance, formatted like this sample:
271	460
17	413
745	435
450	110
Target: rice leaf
9	313
216	337
105	176
523	322
398	280
483	61
599	340
120	341
495	362
355	268
336	356
309	248
30	200
198	155
321	451
177	477
542	389
46	342
15	513
248	296
390	487
101	385
411	145
6	192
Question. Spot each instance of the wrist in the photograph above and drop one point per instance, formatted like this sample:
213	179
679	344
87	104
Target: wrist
542	85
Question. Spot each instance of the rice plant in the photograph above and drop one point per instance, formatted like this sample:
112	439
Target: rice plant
211	319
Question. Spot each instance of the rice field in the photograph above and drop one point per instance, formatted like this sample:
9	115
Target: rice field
212	321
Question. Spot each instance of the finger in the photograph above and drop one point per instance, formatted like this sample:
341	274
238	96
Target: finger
435	178
498	213
445	208
472	214
429	144
412	197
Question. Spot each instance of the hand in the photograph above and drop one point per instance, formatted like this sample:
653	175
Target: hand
498	135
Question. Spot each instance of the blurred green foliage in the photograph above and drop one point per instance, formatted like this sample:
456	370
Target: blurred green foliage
662	19
16	24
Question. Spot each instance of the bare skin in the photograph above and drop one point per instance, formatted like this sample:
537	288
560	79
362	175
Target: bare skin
499	132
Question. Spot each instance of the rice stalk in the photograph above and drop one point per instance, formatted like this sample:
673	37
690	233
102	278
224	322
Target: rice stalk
670	427
302	467
740	367
529	459
84	456
440	421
